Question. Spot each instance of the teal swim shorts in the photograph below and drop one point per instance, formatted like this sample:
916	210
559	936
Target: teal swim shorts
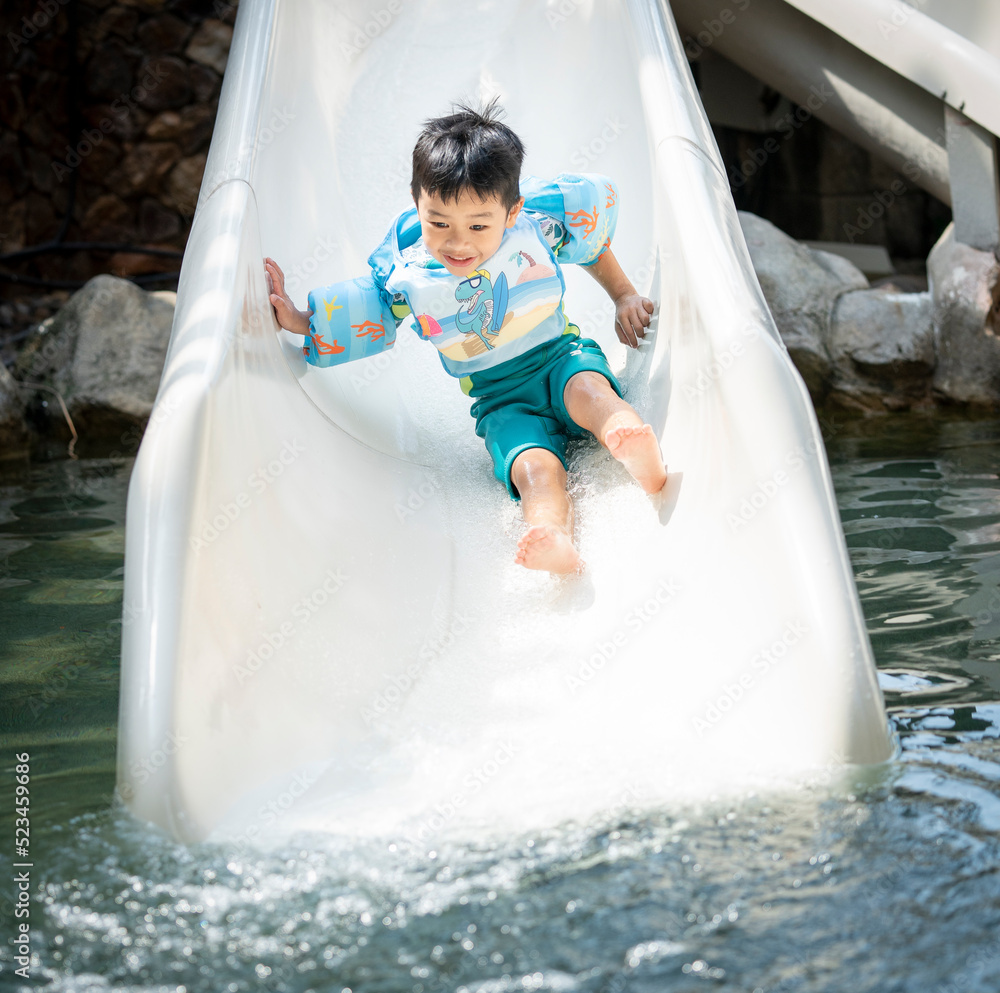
519	403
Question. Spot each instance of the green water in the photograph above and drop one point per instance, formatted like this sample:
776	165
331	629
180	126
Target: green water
894	886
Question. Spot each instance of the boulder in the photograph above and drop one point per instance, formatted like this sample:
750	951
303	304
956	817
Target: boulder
14	438
964	287
210	44
164	33
103	351
882	346
190	127
108	218
156	222
146	164
163	83
801	286
205	83
185	182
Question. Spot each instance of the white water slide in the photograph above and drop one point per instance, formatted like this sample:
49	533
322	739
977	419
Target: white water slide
324	626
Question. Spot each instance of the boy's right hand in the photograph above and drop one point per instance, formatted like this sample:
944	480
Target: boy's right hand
287	314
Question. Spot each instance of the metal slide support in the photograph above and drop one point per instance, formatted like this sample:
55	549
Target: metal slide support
972	173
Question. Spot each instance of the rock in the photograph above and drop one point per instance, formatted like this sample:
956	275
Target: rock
801	287
205	83
39	168
108	74
902	282
210	45
14	437
96	161
108	218
145	4
966	295
185	181
49	90
14	235
41	222
12	163
839	267
146	164
118	20
139	263
123	121
162	34
104	353
12	109
882	346
190	127
843	167
163	83
156	222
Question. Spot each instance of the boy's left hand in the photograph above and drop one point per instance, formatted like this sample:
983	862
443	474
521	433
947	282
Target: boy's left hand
632	315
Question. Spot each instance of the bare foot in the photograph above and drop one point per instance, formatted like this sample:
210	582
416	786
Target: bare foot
545	546
659	497
638	450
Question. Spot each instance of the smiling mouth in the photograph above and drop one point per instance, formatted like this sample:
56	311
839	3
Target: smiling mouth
459	262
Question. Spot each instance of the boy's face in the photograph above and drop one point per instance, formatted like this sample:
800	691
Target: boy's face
463	233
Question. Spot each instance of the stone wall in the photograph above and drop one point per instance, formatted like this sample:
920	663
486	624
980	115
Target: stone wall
109	109
817	185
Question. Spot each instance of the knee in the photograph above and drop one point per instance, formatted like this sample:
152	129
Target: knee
536	467
586	384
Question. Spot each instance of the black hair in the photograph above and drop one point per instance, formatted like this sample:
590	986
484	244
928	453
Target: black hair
468	150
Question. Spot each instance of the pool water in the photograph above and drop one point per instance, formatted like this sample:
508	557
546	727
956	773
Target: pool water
891	883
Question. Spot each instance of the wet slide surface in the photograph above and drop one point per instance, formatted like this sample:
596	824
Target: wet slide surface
321	605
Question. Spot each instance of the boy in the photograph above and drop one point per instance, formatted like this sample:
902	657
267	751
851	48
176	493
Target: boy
476	263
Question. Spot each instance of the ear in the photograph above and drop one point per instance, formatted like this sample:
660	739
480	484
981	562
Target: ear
514	211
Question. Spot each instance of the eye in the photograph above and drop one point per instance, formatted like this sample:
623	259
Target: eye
478	227
439	224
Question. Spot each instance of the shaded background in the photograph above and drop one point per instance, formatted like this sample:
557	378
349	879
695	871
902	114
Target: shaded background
107	111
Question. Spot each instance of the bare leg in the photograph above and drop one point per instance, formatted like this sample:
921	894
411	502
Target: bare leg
548	511
593	404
